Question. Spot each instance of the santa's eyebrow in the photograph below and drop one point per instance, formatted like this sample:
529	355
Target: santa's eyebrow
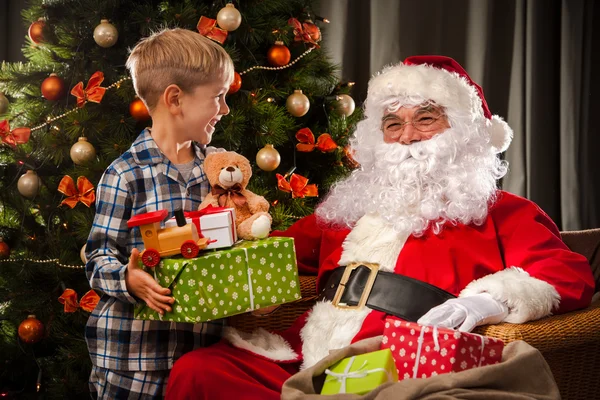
389	116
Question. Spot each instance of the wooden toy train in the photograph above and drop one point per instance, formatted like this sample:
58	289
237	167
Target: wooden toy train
163	242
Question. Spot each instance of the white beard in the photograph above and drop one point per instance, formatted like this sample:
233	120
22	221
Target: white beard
450	178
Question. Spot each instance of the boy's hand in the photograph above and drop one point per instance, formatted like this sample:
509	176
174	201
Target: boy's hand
143	286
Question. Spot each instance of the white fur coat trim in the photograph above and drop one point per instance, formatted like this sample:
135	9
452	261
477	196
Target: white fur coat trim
261	342
527	298
328	328
373	240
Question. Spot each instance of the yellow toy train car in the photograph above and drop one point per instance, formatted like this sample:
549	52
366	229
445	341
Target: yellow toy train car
163	242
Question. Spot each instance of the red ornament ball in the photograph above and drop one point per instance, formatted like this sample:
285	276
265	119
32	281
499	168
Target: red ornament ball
236	84
53	87
31	330
138	110
279	55
36	31
4	249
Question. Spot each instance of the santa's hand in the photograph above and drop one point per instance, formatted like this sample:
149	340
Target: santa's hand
465	313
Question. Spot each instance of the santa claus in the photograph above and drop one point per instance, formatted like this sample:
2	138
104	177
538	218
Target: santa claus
419	231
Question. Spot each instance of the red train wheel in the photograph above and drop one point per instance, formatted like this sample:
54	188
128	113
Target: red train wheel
189	249
150	258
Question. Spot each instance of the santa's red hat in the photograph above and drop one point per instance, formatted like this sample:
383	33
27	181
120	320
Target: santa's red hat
442	80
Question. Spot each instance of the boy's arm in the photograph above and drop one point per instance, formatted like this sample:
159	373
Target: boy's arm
106	250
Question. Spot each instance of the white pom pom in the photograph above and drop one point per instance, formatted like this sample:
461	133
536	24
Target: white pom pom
500	134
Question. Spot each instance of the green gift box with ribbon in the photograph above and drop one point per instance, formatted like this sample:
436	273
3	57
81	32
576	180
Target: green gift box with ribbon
360	374
221	283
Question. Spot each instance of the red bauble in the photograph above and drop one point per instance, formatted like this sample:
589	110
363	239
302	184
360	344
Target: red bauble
31	330
138	110
4	249
36	31
53	87
236	84
279	55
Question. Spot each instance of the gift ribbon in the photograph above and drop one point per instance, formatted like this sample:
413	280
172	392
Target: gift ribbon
84	192
298	186
208	27
14	137
307	141
93	91
88	301
435	334
210	209
341	377
249	280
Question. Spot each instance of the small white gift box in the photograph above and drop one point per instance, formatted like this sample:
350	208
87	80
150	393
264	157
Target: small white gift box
215	223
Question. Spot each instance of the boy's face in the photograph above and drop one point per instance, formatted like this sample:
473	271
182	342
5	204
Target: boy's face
202	109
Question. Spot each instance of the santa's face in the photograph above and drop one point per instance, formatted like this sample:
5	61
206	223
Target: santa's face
408	125
444	172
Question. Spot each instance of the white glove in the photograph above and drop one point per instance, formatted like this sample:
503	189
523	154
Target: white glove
466	312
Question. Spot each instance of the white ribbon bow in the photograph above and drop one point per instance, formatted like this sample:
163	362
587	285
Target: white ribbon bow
359	373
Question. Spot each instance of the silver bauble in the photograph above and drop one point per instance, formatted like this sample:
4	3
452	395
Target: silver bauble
297	104
29	184
106	34
3	103
345	104
229	18
82	152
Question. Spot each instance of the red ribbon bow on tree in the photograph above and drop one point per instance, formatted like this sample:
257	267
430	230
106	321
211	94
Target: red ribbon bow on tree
93	91
69	299
306	32
298	186
208	27
234	192
14	137
307	141
84	192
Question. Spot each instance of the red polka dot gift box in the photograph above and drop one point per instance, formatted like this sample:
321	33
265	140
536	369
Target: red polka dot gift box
424	351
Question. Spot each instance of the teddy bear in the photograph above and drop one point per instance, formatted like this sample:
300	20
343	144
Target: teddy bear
228	174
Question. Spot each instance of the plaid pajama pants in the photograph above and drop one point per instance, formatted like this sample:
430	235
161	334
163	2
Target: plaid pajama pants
142	385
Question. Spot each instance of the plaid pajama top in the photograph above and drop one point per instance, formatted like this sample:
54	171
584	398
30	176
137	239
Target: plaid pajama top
140	181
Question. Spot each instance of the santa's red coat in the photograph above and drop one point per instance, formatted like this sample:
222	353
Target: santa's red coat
464	259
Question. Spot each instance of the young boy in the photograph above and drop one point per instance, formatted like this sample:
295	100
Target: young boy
182	77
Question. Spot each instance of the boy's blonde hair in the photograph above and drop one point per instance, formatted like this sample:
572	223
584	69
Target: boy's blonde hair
176	56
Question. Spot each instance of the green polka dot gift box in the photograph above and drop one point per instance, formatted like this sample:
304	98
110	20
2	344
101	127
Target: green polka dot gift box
221	283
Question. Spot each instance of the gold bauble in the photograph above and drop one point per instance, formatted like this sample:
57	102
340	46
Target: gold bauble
297	104
36	31
229	18
29	184
279	55
268	158
138	110
3	103
31	330
105	34
82	152
345	104
53	87
82	254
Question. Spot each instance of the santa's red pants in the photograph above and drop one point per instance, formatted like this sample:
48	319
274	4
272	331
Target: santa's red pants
226	372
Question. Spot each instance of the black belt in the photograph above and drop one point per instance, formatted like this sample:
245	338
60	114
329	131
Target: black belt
394	294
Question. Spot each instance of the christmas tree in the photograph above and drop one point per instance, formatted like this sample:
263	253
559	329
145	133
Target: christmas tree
71	109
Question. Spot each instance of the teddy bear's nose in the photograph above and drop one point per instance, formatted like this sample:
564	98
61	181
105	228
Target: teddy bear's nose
230	169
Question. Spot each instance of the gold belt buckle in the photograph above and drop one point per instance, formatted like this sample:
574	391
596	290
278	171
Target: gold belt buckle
366	291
